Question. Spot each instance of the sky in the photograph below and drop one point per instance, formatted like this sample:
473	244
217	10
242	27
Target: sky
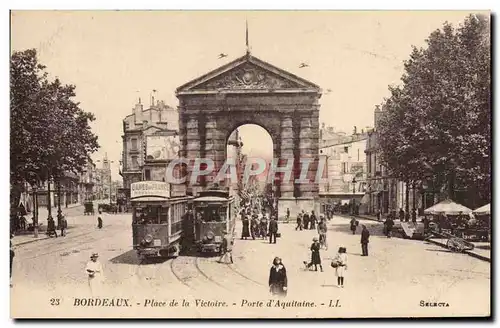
115	57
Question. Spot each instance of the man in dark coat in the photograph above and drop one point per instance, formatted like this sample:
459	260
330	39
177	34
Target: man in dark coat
365	236
64	226
414	215
99	220
354	224
51	227
312	221
305	220
401	215
273	230
389	223
299	222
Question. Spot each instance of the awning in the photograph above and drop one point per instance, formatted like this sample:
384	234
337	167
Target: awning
345	201
483	210
448	207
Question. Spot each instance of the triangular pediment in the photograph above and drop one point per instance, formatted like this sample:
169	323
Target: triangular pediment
247	73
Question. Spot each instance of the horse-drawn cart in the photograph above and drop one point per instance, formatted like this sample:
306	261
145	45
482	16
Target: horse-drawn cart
88	208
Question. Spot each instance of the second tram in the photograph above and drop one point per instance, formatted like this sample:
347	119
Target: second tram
214	213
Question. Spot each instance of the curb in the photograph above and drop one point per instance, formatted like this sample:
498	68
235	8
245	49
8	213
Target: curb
30	241
358	217
470	253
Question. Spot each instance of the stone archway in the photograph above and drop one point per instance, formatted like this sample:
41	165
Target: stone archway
251	91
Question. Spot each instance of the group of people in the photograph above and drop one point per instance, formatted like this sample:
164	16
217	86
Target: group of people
259	226
52	229
306	221
278	280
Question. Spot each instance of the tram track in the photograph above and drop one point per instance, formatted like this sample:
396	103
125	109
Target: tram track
231	266
191	271
70	244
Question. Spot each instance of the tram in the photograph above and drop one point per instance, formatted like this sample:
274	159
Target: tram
157	219
214	212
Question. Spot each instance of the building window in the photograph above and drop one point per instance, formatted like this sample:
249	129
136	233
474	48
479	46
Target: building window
346	149
344	167
134	143
358	155
135	163
147	174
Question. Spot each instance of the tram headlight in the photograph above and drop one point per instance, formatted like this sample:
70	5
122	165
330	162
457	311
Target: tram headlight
148	239
210	235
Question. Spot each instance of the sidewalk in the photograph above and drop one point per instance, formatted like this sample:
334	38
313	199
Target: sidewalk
481	250
26	238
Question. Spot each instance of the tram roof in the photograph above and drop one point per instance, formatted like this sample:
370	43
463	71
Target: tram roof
149	199
211	199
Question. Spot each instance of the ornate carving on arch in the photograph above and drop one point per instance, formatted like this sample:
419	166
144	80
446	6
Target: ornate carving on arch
248	76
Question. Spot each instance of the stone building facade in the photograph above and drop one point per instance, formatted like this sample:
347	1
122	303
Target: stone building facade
384	192
149	141
344	176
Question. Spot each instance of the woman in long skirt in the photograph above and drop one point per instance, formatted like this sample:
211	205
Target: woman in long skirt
315	257
245	233
340	261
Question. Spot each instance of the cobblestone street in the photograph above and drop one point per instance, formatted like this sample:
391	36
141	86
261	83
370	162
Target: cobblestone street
395	278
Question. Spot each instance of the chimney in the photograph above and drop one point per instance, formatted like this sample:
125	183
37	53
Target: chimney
137	111
377	115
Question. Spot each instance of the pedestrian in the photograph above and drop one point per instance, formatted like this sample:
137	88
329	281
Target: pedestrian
354	224
365	236
379	214
414	215
287	214
388	224
299	222
23	223
278	281
226	248
245	233
263	227
64	226
340	264
401	215
12	254
51	227
254	227
273	230
322	230
315	256
99	220
305	219
312	220
95	274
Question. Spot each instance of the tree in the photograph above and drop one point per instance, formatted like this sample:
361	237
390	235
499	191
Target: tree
436	125
50	133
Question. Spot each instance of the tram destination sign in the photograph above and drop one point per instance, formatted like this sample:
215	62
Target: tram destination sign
149	188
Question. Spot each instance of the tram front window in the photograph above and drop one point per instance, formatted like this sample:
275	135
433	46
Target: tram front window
211	214
151	215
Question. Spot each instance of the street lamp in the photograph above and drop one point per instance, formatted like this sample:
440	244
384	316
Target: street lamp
59	212
353	192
